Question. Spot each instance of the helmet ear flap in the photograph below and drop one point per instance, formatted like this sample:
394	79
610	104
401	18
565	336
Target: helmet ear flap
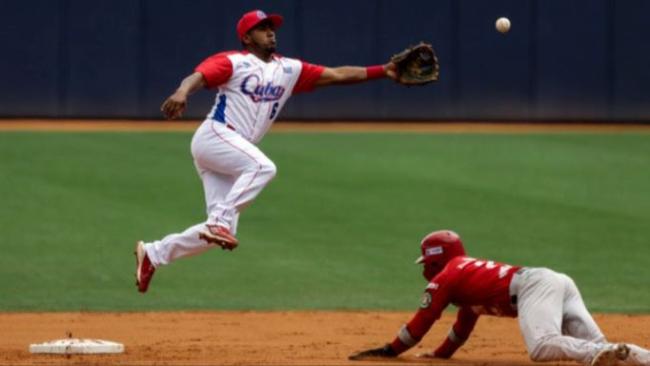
430	270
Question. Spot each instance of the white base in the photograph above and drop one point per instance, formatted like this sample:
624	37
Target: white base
69	346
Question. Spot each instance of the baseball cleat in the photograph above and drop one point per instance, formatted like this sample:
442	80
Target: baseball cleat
611	354
144	270
220	236
638	356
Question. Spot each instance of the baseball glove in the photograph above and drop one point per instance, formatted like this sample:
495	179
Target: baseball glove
382	352
416	65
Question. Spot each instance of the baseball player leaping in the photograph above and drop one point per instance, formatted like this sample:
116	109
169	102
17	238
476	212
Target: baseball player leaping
552	316
252	86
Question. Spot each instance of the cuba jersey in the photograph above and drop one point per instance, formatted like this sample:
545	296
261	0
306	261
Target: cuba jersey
251	92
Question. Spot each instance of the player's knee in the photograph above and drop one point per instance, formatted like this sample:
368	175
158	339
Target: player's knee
569	283
268	169
565	278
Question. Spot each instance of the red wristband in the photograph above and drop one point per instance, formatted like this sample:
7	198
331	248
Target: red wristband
398	346
375	72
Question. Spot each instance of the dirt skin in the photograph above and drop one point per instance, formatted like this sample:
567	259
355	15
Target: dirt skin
319	127
269	338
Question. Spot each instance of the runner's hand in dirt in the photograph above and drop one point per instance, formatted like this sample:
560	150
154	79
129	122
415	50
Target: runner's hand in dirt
428	355
382	352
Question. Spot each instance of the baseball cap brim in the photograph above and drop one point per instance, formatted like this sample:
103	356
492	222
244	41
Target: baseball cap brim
276	19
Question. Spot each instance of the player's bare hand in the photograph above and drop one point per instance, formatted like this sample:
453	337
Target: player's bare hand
174	106
430	355
391	70
426	355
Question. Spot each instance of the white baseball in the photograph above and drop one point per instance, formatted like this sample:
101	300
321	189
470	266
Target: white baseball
503	25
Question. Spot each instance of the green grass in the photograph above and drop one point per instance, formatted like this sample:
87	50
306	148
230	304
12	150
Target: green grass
338	228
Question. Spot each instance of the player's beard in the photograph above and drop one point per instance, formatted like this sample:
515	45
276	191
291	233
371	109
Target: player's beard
265	48
270	47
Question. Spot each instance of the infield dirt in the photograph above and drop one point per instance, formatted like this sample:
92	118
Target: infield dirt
318	127
269	338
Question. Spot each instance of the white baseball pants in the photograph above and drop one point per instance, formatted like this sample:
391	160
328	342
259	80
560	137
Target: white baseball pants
233	172
554	321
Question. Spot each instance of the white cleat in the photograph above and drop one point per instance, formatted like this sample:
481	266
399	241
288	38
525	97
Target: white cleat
611	354
638	356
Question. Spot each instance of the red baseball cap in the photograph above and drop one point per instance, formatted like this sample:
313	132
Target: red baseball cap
249	20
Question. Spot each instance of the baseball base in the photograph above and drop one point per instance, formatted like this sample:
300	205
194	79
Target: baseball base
70	346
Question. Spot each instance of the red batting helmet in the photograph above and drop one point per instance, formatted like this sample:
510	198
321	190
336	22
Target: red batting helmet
249	20
439	247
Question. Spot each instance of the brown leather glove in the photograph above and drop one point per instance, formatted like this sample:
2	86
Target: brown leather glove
417	65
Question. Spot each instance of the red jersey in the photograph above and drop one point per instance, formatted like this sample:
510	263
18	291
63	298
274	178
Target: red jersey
475	286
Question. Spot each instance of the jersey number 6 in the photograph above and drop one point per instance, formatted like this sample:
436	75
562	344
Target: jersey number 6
274	110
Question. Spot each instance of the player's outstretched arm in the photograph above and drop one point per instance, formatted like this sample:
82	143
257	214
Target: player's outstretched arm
458	334
355	74
174	106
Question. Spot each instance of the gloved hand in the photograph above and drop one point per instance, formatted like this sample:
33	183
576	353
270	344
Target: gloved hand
382	352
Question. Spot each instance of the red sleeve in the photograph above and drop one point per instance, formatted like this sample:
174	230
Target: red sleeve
216	70
434	301
309	75
460	331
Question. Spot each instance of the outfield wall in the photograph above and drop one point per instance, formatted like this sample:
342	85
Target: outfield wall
566	60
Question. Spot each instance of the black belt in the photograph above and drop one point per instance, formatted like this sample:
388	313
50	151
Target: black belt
513	298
